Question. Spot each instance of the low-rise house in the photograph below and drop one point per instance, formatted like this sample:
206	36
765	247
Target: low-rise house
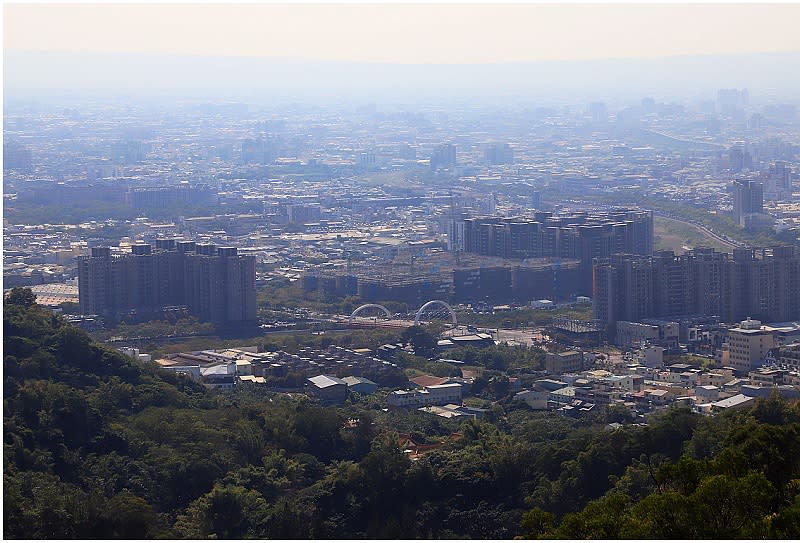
191	370
575	408
424	381
446	393
652	356
679	367
244	367
562	396
476	412
415	449
133	353
788	356
444	412
219	381
568	378
734	386
550	384
389	351
632	383
754	391
428	380
597	394
716	378
767	377
452	410
362	385
431	395
792	378
535	398
706	393
327	389
219	376
664	333
658	397
734	402
689	378
478	341
202	364
596	375
465	382
252	379
404	398
668	377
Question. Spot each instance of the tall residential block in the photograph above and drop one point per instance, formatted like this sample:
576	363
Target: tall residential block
748	199
778	181
580	236
443	156
762	283
496	153
215	284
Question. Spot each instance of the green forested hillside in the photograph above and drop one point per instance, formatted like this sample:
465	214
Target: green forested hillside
99	446
737	478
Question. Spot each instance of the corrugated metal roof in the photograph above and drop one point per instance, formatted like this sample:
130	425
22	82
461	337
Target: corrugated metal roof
324	381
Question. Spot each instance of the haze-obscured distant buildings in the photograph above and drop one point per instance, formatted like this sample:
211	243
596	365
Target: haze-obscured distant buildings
748	204
580	236
181	195
495	154
443	156
470	280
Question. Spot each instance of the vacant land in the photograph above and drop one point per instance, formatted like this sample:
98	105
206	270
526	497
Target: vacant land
679	237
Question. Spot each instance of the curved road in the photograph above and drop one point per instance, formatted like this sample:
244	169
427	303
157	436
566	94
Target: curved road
724	240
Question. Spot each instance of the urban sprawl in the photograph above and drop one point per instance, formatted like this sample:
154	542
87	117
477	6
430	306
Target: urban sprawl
660	241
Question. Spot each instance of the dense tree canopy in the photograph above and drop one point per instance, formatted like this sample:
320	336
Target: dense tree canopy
97	445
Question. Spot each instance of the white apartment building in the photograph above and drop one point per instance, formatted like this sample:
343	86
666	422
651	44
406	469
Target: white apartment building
748	345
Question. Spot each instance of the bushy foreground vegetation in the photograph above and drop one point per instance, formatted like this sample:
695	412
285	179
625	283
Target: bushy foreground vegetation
99	446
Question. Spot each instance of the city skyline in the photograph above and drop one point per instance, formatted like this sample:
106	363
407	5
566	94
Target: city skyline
401	271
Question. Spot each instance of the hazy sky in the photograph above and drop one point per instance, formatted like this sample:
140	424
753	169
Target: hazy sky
406	33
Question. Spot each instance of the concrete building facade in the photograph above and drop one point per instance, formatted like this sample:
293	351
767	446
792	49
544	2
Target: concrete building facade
566	362
216	284
431	395
763	283
748	345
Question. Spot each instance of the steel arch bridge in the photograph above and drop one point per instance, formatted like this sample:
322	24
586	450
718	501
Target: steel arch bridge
431	303
368	306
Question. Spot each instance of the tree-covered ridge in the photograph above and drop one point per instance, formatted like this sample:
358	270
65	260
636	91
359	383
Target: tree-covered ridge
97	445
738	477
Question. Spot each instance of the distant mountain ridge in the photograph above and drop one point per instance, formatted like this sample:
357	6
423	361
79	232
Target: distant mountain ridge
767	75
